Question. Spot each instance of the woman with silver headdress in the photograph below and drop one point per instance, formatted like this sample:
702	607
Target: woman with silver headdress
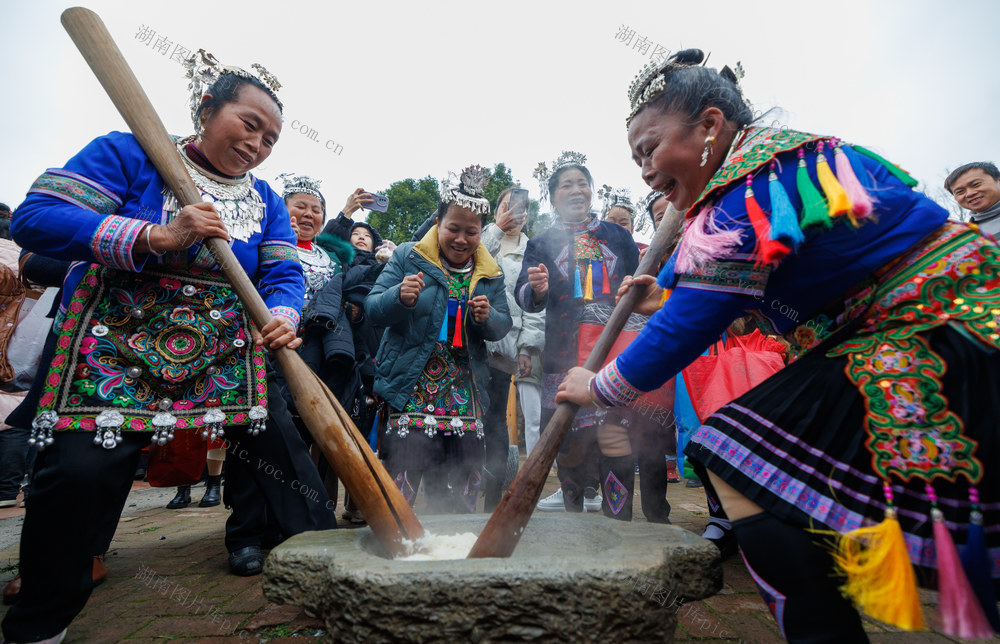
321	256
618	209
881	435
571	271
441	298
150	340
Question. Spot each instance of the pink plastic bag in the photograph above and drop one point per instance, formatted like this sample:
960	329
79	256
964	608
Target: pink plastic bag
731	369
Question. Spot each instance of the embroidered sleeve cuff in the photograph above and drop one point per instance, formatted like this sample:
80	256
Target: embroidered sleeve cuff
77	190
276	250
114	240
611	388
287	313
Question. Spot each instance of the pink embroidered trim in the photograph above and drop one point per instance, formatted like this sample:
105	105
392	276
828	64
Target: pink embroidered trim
287	313
612	389
114	240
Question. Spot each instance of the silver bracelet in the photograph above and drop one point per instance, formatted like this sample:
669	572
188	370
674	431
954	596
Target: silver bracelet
590	392
149	246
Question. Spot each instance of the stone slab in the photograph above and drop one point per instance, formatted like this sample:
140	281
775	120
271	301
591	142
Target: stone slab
573	578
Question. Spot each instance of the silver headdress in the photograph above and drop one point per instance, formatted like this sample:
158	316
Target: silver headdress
204	69
467	190
301	184
567	158
648	200
652	80
622	197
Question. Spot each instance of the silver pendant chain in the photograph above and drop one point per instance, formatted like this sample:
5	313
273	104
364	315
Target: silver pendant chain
239	205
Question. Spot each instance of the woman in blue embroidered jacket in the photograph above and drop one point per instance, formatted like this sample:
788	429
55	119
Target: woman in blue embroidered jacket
571	271
888	415
150	340
441	299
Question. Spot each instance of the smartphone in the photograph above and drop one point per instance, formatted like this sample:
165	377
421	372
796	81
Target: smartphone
518	203
380	203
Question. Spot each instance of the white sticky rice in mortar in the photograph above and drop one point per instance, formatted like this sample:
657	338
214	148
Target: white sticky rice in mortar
438	547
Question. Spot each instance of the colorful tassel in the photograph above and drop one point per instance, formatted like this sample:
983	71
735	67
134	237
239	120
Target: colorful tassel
588	287
976	563
768	251
961	614
665	296
861	203
373	435
814	211
605	282
577	290
837	202
512	412
893	169
880	577
784	219
705	241
456	340
449	311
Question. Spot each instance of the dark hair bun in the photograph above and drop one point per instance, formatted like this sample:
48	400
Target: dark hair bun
688	57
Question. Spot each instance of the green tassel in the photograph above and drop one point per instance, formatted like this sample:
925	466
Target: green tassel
894	169
814	212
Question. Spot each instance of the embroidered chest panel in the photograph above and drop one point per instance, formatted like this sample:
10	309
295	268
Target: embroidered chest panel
148	343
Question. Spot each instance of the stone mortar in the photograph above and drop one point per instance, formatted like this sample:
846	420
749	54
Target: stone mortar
572	578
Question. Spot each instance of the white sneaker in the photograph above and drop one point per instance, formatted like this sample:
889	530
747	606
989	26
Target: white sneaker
553	502
591	503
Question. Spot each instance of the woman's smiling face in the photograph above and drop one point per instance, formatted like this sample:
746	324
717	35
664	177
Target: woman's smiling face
572	196
669	151
238	136
458	234
307	212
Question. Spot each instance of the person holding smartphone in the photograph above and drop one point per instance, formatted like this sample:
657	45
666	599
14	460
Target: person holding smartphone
369	247
518	353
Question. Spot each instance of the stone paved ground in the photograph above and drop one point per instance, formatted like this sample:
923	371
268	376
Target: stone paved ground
168	581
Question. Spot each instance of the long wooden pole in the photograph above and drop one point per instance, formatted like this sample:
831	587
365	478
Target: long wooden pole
505	527
383	506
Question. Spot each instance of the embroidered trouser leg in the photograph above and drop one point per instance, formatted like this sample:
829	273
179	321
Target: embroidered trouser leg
618	483
78	492
464	462
617	468
794	576
273	469
577	465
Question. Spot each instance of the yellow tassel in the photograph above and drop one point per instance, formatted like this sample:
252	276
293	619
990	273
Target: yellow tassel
880	577
512	412
588	289
665	296
837	201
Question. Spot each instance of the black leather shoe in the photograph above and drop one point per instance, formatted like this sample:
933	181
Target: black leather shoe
213	496
246	562
182	499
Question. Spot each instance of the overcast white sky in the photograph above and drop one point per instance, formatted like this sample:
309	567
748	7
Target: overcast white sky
416	88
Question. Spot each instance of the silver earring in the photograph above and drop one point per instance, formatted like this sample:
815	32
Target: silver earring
709	140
